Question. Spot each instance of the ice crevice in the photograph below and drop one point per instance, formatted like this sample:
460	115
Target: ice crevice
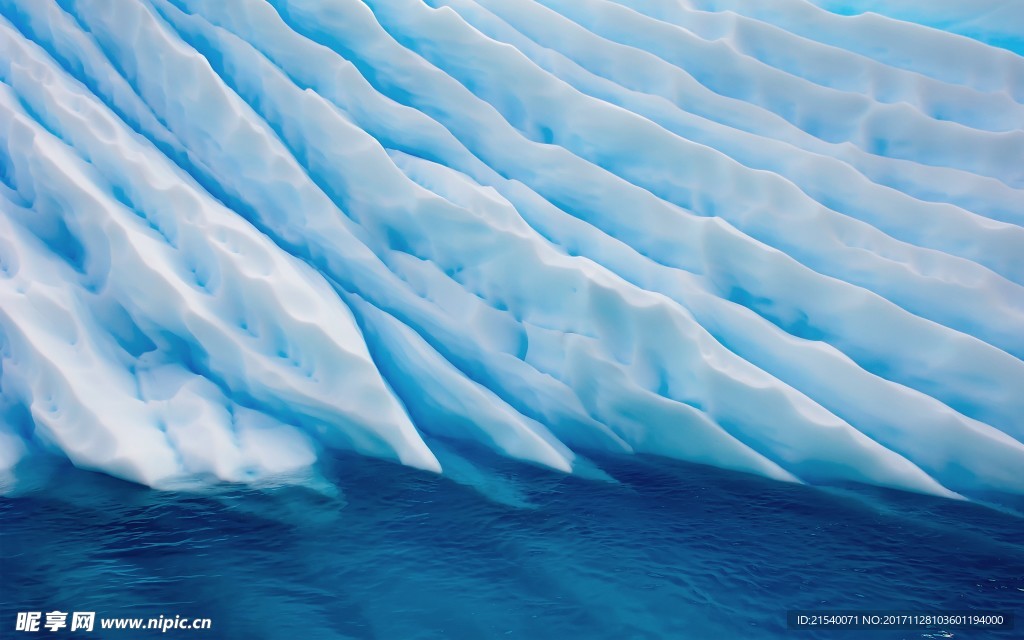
236	235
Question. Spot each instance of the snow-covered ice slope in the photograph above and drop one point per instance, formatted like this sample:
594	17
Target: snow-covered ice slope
783	237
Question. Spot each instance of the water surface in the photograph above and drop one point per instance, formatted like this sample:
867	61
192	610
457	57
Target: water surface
665	550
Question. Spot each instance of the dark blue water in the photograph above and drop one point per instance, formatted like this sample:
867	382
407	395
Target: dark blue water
668	551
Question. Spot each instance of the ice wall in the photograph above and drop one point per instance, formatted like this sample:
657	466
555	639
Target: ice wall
784	238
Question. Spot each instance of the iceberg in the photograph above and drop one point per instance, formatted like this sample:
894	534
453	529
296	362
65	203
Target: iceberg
779	238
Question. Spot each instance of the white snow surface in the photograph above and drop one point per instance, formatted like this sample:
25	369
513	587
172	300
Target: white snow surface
784	238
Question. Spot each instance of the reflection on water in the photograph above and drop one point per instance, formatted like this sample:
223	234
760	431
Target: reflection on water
663	550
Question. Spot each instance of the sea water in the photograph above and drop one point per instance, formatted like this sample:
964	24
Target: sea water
654	549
